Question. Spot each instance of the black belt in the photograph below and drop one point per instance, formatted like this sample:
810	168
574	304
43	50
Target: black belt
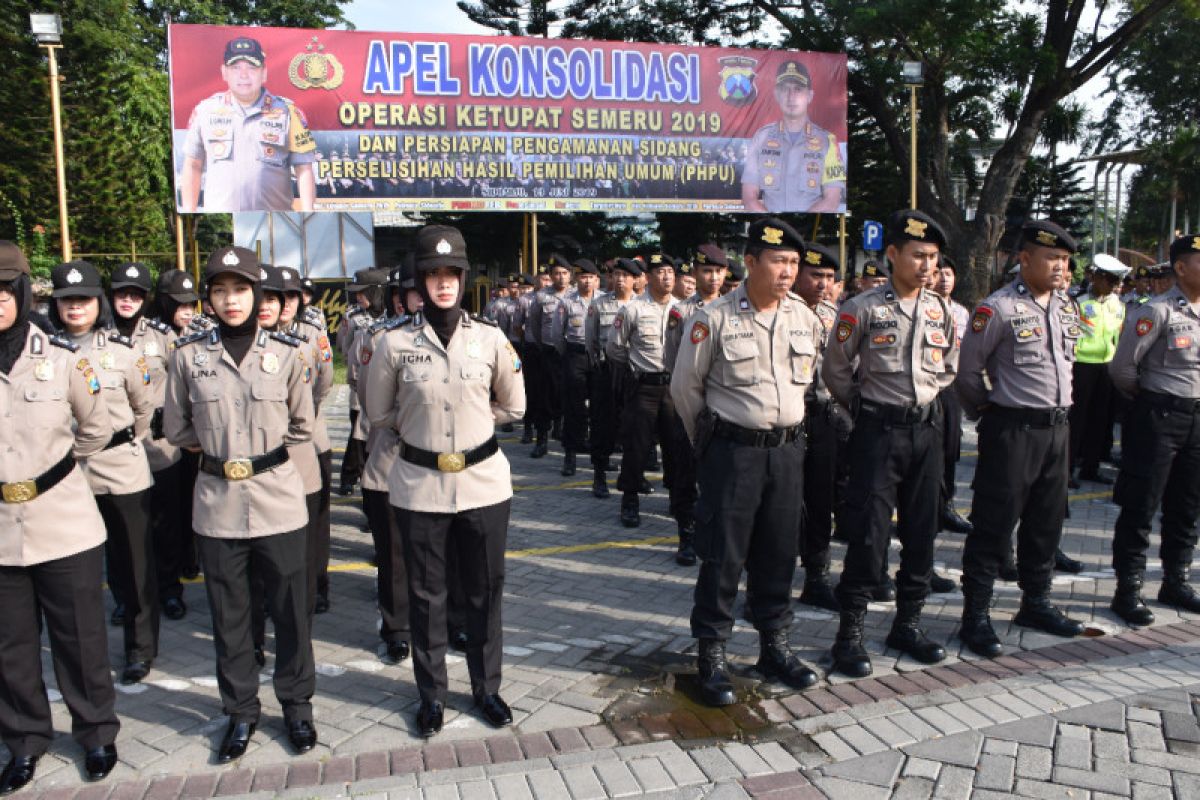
899	415
654	378
448	462
24	491
239	469
755	438
1170	402
576	347
1034	417
124	436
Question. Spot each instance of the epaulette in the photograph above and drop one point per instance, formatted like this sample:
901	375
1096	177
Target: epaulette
312	312
313	322
200	323
65	344
286	338
120	338
198	336
354	312
388	324
484	320
158	325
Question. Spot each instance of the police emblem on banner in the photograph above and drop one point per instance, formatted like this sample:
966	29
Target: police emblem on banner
737	80
315	69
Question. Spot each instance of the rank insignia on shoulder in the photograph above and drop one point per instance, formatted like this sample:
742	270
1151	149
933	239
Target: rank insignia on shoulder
286	338
158	325
121	339
484	320
65	344
198	336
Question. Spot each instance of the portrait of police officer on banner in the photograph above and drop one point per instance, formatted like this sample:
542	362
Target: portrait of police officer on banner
793	164
247	143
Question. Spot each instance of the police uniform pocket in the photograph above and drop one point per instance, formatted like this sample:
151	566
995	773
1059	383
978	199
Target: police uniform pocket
884	349
740	356
477	371
45	407
1181	349
112	381
219	145
416	384
933	357
270	405
272	154
208	413
802	356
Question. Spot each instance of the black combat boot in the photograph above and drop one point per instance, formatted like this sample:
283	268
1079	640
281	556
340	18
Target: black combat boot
907	637
541	448
817	591
849	656
776	661
953	521
976	630
599	483
1127	602
1064	563
527	436
716	689
1176	591
685	556
568	467
630	517
1036	612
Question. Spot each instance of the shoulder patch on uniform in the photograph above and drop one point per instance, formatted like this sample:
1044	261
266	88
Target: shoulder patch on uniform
674	317
512	352
65	344
1144	326
191	338
121	339
845	326
286	338
158	325
699	332
983	315
484	320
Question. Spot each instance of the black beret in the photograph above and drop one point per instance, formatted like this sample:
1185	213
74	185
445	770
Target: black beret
131	275
235	260
512	277
1183	246
737	272
657	260
586	265
818	255
440	246
709	255
914	226
872	269
628	265
772	233
526	280
558	261
1045	233
946	262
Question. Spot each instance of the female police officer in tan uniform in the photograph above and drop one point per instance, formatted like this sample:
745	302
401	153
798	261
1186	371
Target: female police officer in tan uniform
240	395
51	537
432	380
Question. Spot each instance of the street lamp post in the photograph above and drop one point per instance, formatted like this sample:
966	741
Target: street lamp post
913	74
47	29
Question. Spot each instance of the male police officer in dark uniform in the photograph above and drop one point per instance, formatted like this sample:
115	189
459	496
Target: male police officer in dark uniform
739	384
579	374
1024	337
1158	363
892	351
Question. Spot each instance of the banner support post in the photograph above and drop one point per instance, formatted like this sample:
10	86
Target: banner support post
842	241
180	244
533	236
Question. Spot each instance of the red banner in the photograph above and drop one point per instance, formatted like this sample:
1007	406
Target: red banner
281	118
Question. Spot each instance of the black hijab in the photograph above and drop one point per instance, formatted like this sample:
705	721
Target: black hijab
12	341
125	325
238	338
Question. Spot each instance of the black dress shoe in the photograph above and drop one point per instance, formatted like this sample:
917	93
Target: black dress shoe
237	739
118	615
630	517
99	761
942	585
260	657
600	485
884	592
321	605
1036	612
346	489
645	488
1064	563
527	437
568	467
302	735
955	522
135	672
17	773
396	652
458	641
494	710
191	572
429	718
174	608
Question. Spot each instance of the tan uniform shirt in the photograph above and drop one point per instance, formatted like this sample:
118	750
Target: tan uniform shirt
440	400
232	411
1159	349
640	334
347	336
749	367
903	359
1026	350
304	454
125	378
383	443
320	357
601	314
152	339
827	313
49	390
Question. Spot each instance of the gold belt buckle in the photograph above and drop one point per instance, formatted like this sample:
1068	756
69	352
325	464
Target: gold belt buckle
238	469
19	492
452	462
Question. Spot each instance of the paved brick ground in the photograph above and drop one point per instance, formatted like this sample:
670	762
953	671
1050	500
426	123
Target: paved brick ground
597	660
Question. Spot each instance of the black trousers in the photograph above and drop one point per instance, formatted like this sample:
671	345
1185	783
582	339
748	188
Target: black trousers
1160	466
1091	416
391	581
581	400
531	372
952	434
68	592
604	416
321	527
649	411
820	485
172	541
892	466
279	560
131	574
1021	477
750	503
355	455
550	380
189	469
477	539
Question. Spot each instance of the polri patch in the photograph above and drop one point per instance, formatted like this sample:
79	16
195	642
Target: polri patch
983	315
1144	326
699	332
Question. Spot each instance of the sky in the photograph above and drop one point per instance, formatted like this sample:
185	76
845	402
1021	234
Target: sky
418	16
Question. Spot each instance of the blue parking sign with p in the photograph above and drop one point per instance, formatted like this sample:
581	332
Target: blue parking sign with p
872	235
